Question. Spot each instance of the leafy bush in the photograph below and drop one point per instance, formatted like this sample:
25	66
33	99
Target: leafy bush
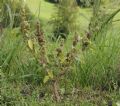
53	1
65	19
85	3
82	3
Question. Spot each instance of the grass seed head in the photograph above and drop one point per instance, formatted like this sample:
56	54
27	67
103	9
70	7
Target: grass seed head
40	35
25	27
41	42
76	40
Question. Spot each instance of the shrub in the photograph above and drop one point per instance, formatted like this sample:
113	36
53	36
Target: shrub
53	1
82	3
65	18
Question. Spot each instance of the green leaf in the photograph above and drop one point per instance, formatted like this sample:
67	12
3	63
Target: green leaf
62	58
50	74
46	79
30	44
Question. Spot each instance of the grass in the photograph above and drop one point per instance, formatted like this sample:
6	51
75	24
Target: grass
91	81
46	9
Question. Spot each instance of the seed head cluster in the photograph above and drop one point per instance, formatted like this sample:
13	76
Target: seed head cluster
25	27
41	42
